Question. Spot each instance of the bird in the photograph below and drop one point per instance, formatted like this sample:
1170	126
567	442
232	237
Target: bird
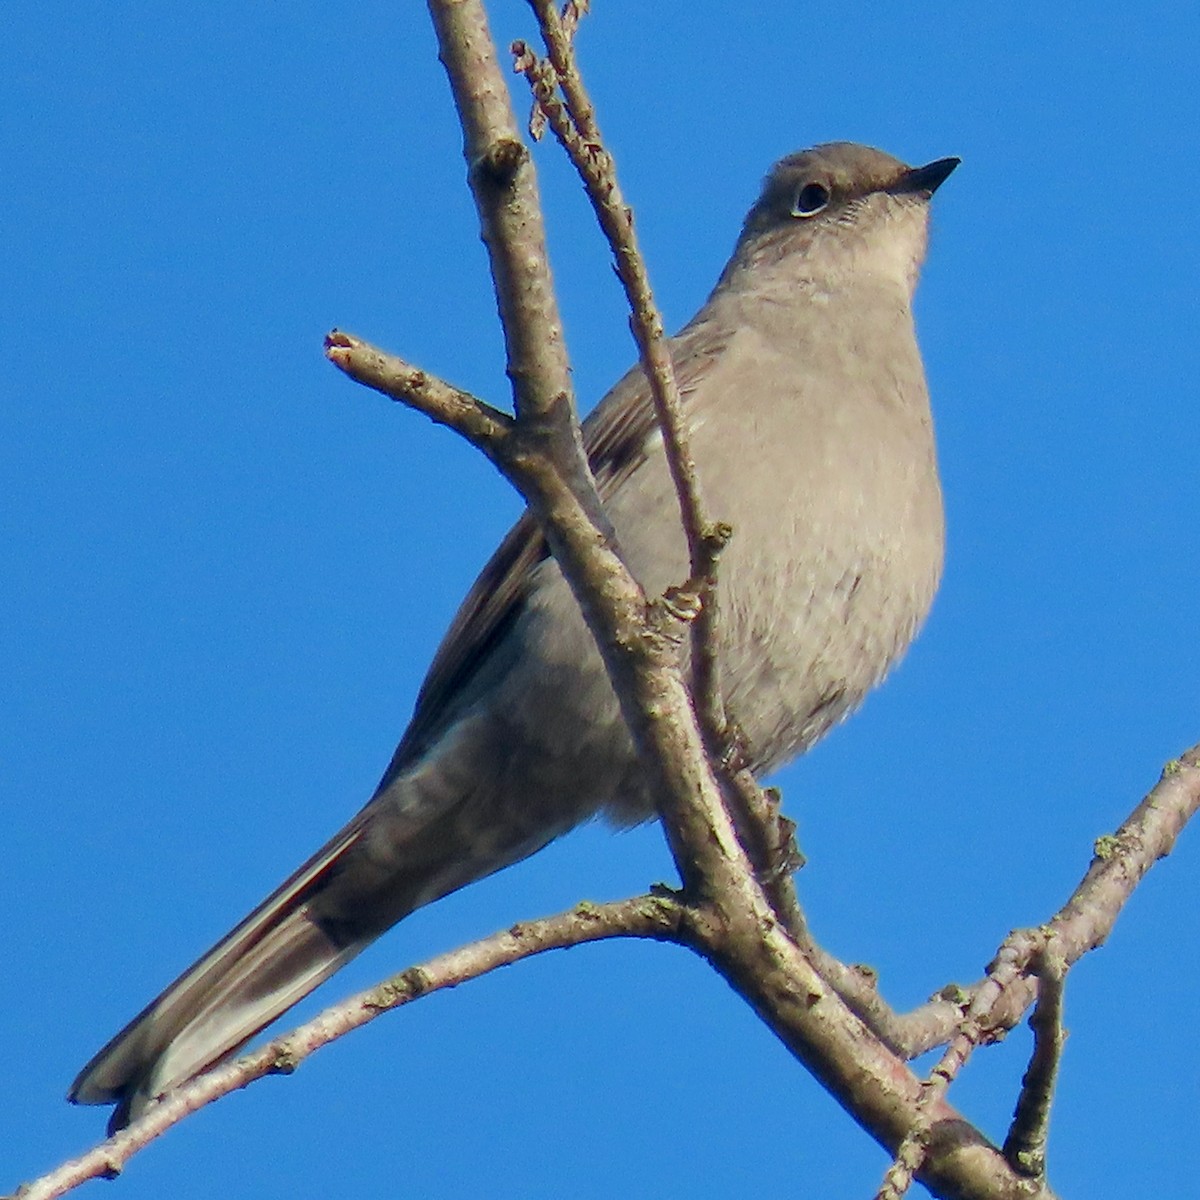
804	398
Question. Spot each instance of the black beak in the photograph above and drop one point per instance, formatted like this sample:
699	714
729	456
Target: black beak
925	179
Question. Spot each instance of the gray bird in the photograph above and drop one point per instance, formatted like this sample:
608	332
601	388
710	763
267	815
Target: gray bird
809	419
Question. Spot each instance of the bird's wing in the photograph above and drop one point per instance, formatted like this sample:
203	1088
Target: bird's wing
617	436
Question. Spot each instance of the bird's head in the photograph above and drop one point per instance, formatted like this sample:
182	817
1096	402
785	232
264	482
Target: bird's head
842	210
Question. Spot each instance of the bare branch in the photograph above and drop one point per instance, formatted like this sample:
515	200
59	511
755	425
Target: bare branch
575	125
551	469
1083	923
764	833
656	917
973	1032
907	1035
483	426
1122	859
1120	862
766	967
769	839
1025	1146
504	185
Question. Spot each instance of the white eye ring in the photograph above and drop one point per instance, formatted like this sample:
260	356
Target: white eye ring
811	199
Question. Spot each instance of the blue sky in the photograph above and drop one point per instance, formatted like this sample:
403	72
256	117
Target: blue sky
226	568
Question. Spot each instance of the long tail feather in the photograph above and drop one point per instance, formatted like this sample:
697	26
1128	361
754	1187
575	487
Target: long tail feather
274	958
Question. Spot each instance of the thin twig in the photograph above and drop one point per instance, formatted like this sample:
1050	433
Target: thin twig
574	123
973	1032
770	841
765	834
1083	923
778	979
656	917
1122	859
1119	863
1025	1145
504	186
482	425
551	470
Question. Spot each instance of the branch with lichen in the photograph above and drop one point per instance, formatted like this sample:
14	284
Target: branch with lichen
1025	1145
1045	954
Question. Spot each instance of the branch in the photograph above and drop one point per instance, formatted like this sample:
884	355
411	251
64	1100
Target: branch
1122	859
504	186
550	468
907	1035
1082	924
486	428
1120	862
764	834
1025	1146
972	1033
574	124
656	917
875	1087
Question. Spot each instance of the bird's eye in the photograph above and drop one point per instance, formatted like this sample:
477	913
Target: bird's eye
810	200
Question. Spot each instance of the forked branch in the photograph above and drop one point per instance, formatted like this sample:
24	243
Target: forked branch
743	921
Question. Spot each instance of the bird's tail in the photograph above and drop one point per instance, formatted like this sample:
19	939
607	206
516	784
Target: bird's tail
432	827
274	958
426	833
